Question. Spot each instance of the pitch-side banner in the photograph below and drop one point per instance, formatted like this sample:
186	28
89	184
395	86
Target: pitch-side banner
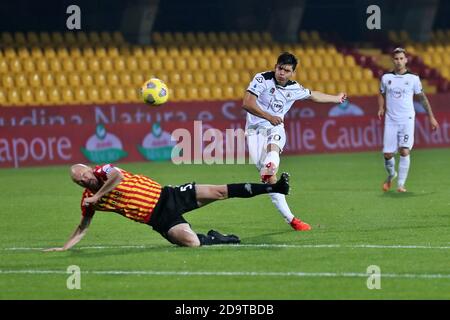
136	114
195	142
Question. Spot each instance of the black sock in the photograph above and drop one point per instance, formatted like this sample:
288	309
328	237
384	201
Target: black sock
248	190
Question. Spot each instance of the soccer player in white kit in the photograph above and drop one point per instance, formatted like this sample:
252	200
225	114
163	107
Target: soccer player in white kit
397	89
269	97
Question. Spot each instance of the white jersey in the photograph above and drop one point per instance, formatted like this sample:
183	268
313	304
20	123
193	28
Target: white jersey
273	98
399	90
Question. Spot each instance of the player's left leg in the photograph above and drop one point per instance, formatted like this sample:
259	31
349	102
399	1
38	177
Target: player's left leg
275	144
406	142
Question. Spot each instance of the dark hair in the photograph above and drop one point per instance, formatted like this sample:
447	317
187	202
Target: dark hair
287	58
398	50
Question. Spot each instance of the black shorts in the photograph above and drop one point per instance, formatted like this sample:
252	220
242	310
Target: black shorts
172	204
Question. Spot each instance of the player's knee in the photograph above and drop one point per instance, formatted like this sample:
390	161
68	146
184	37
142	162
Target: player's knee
404	152
220	192
388	156
191	242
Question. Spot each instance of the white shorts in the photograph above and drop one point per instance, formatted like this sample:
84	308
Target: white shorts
259	138
398	136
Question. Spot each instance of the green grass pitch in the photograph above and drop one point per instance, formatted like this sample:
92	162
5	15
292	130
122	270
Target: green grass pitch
355	225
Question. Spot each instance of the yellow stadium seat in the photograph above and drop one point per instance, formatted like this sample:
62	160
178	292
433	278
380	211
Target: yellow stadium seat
312	75
7	38
144	64
99	79
346	75
245	76
205	64
233	77
61	79
324	75
62	53
222	78
82	38
363	89
227	63
105	38
132	94
74	80
137	51
330	88
32	38
173	52
67	95
180	64
112	79
215	64
335	75
112	52
49	53
23	53
3	99
210	77
137	79
54	96
93	64
318	86
216	92
48	80
374	87
174	79
57	38
250	63
349	61
204	93
67	65
367	74
168	64
28	65
328	61
27	96
80	95
125	79
437	60
94	37
93	95
201	39
118	94
156	64
186	78
40	97
100	52
87	80
10	53
13	97
34	80
317	61
352	88
75	53
199	79
3	66
36	53
55	66
192	93
228	92
42	65
88	52
106	95
197	52
190	38
80	65
124	51
209	52
106	65
357	74
119	64
8	81
179	94
131	64
192	64
15	65
185	52
19	38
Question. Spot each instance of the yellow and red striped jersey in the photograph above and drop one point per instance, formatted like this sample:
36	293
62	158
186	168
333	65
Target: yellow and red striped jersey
134	197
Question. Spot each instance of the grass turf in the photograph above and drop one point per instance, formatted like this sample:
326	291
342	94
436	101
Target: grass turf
339	195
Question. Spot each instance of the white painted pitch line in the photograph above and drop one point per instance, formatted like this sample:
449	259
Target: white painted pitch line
262	245
235	274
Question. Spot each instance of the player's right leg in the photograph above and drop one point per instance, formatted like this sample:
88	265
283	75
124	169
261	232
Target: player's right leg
390	144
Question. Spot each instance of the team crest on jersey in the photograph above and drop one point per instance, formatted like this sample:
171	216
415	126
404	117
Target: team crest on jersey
389	82
407	83
276	105
272	91
288	95
259	79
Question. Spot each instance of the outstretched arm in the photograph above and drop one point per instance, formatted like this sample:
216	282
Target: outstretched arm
321	97
424	100
114	177
250	106
76	236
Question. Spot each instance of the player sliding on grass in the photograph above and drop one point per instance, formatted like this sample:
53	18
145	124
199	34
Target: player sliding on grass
269	97
137	197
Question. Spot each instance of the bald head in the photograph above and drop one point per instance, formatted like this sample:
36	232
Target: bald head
84	176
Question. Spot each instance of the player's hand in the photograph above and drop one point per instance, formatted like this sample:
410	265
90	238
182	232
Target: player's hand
380	113
53	249
341	97
434	123
274	120
90	201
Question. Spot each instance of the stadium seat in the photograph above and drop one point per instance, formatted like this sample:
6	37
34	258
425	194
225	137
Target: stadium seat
118	94
204	93
100	52
40	97
105	38
13	97
198	79
80	65
55	65
174	79
8	81
156	64
48	80
36	52
113	52
179	94
20	39
106	95
69	38
131	64
330	88
192	93
61	80
42	65
10	53
119	64
222	78
28	65
87	80
93	64
54	96
144	64
125	79
216	93
79	95
132	95
233	77
27	96
324	75
112	79
62	53
49	53
137	79
180	64
94	38
75	53
67	65
211	77
15	65
93	95
228	92
363	88
74	80
205	64
34	80
3	99
3	66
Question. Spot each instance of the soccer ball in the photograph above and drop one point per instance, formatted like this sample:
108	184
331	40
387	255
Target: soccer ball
155	92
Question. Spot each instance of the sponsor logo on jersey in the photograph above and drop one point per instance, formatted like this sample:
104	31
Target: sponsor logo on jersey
276	105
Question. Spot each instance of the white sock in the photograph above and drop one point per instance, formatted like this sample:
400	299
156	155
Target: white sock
279	200
403	168
390	166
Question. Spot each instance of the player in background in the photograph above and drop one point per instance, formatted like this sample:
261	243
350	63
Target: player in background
395	101
139	198
269	97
